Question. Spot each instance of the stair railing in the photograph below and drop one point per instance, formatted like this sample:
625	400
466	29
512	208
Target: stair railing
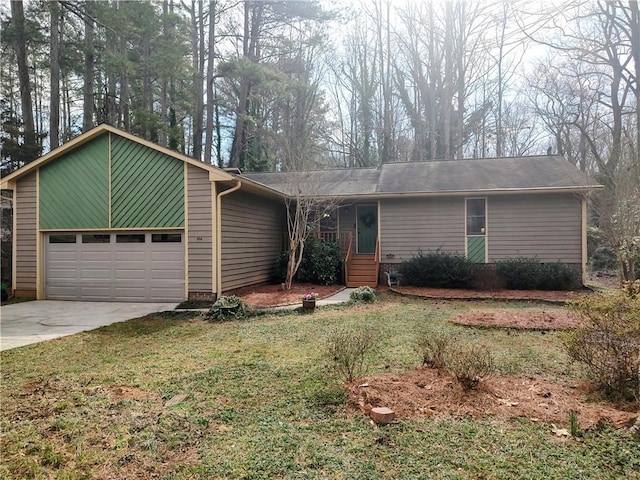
376	259
347	257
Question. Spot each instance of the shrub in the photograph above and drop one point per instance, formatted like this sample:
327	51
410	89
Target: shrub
486	278
608	342
471	364
524	273
631	289
227	307
603	258
433	347
438	269
347	349
320	263
363	294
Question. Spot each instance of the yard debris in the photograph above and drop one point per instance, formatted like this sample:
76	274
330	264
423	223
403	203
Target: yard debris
382	415
560	432
181	397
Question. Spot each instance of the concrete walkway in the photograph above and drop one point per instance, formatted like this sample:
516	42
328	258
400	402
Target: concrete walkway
340	297
32	322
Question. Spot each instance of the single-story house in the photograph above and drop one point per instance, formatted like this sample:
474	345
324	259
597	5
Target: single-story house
109	216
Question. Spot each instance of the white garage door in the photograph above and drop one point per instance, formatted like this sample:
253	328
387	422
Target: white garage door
122	267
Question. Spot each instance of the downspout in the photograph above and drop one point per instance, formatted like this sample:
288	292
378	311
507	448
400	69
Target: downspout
219	236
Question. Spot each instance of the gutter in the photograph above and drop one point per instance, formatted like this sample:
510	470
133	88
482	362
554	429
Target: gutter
219	235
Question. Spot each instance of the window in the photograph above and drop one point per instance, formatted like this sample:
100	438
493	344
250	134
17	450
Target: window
166	237
62	238
476	216
130	238
100	238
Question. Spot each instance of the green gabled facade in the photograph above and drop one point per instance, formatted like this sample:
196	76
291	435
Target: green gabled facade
112	182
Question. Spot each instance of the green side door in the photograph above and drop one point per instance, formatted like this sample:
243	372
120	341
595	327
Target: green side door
367	228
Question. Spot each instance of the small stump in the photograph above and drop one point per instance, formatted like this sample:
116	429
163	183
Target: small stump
382	415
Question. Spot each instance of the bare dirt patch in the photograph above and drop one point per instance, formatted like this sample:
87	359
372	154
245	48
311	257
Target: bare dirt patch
265	296
523	320
433	393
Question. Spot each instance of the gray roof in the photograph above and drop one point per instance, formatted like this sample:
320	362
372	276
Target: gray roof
471	175
342	182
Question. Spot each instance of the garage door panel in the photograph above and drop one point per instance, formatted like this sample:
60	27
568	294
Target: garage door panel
95	293
95	256
63	273
66	256
61	292
131	294
167	256
95	274
158	293
163	274
134	272
130	256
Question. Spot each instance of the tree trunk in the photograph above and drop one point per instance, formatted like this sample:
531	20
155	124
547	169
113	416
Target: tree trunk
17	16
251	51
635	51
88	100
54	99
211	100
197	47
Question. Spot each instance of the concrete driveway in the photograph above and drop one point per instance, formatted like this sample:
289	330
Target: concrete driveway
37	321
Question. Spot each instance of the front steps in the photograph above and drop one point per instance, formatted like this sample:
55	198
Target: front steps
362	271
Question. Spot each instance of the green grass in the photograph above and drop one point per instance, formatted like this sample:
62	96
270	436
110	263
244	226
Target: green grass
262	403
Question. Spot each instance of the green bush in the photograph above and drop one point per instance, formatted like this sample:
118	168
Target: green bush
363	294
320	263
524	273
608	341
227	307
438	269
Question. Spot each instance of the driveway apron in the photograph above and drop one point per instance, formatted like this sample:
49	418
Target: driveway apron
32	322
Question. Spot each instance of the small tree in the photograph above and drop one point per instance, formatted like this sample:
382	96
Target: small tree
305	208
620	227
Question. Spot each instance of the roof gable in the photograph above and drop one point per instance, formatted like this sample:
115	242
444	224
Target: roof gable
214	172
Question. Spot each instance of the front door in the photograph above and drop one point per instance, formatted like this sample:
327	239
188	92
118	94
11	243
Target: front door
367	228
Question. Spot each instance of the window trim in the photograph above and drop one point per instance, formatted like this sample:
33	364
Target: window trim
484	235
53	236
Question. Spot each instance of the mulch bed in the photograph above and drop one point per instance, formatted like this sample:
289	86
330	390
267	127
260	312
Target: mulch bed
463	294
427	392
265	296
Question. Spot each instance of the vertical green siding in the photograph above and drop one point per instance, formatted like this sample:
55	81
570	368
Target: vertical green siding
476	249
147	187
74	189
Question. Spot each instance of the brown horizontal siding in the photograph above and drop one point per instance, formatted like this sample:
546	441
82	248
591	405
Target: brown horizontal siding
26	233
200	236
548	227
413	225
251	238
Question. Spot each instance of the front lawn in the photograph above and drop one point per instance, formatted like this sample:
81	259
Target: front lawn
166	396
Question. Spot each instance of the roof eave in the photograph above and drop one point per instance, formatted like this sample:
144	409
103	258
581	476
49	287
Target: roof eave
448	193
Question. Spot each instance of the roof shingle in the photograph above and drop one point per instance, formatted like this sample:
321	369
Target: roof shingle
469	175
